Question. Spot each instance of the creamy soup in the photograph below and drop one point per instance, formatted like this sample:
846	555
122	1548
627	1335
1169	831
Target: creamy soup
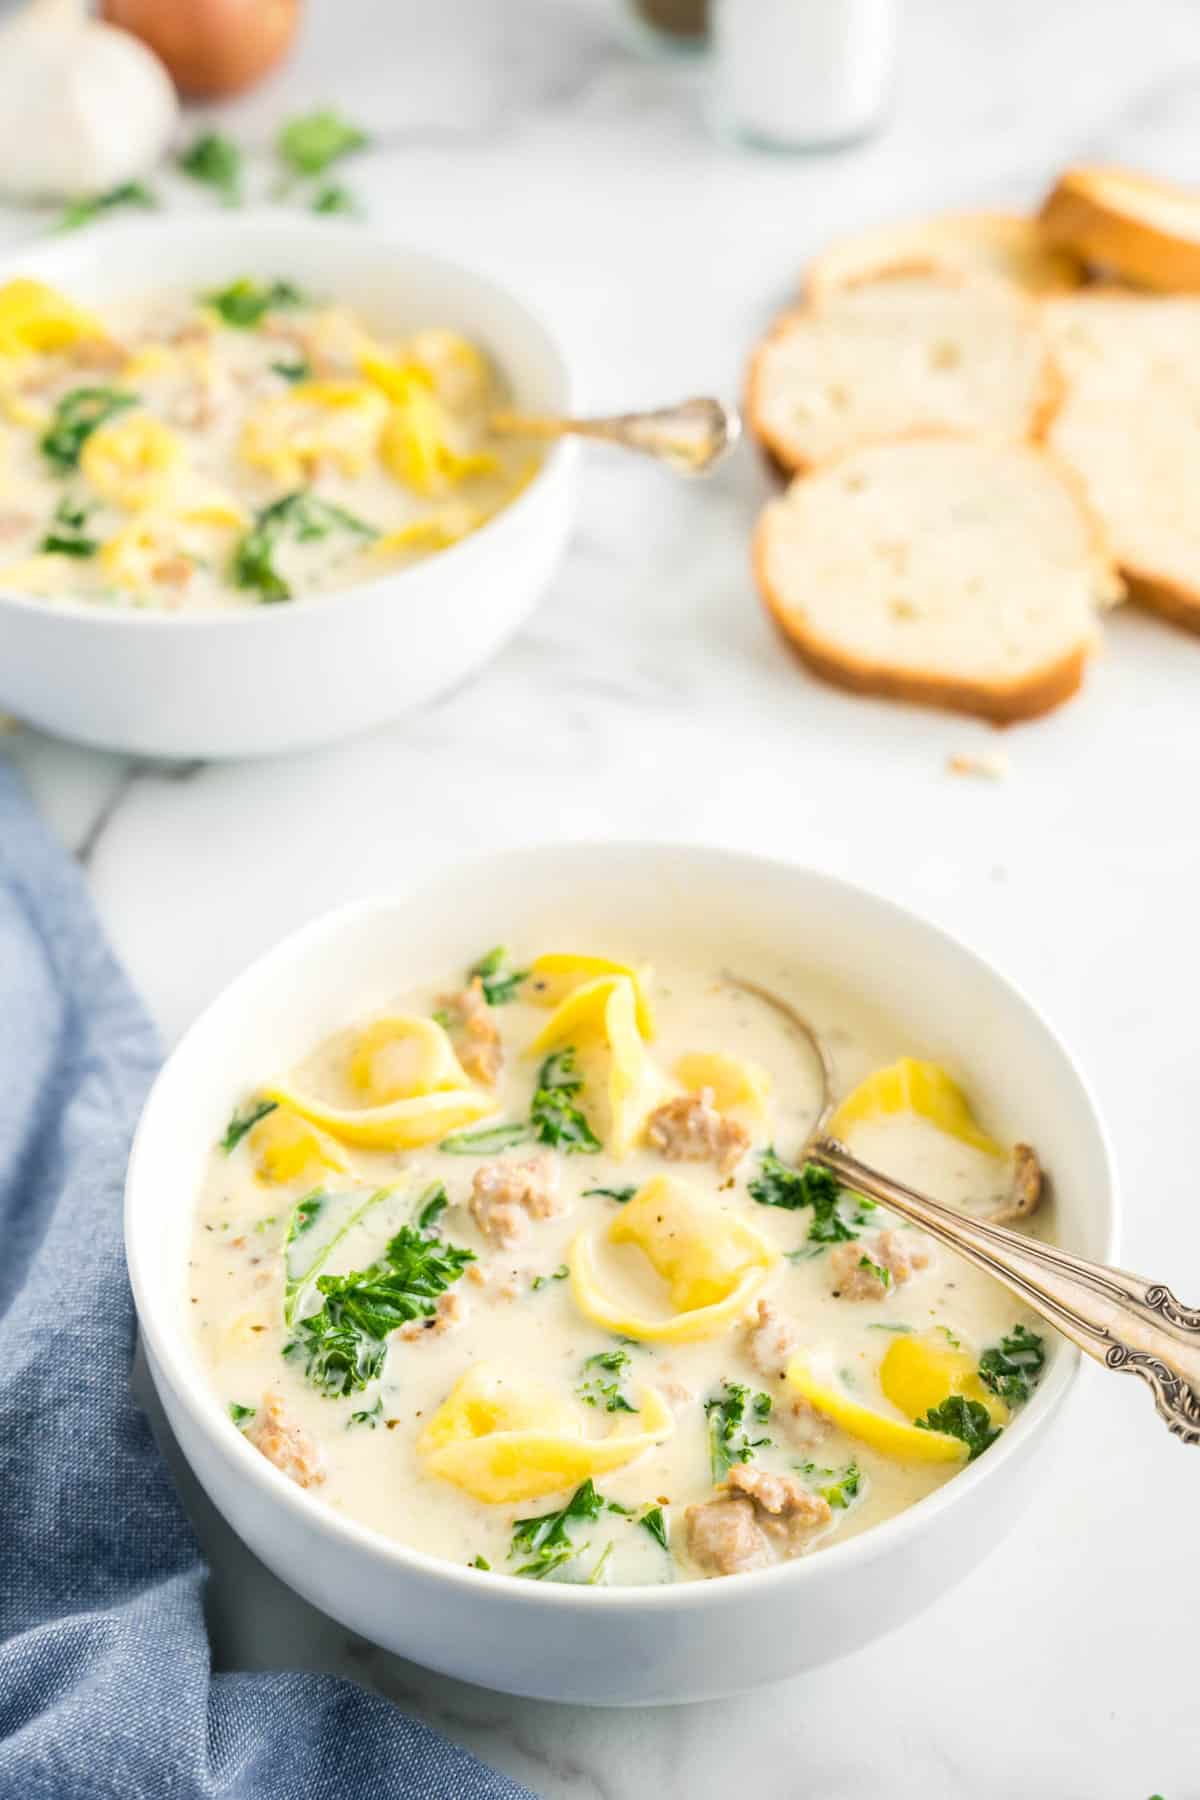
527	1270
248	445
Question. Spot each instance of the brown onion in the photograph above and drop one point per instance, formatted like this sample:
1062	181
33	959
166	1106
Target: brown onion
210	47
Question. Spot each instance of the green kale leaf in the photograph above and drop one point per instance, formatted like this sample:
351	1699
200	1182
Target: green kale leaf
555	1118
344	1344
242	1122
654	1521
547	1540
595	1390
500	982
834	1220
965	1419
75	418
301	515
1013	1367
728	1442
245	303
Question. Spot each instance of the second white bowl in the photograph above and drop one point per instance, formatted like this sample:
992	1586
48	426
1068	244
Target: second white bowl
262	679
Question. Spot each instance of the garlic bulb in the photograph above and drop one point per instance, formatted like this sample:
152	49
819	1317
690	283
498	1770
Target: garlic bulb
83	106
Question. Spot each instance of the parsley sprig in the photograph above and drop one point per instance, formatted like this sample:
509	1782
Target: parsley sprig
314	142
729	1415
344	1344
838	1216
95	206
216	161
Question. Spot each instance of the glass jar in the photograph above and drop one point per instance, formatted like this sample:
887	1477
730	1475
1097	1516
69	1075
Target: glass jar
803	74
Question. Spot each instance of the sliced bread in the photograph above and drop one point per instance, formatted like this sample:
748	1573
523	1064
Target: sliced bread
1143	230
951	573
1006	245
918	354
1129	430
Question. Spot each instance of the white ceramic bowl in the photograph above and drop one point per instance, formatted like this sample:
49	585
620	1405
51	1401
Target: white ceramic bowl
618	1645
272	678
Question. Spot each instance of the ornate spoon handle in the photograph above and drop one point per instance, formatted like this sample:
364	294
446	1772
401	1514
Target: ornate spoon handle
1117	1318
689	438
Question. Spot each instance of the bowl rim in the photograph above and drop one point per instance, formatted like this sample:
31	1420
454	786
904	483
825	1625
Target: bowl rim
164	1336
250	223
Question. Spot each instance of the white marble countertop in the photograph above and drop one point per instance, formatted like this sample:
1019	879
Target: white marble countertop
648	696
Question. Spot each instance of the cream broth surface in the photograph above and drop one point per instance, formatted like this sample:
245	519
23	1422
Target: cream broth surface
523	1316
350	449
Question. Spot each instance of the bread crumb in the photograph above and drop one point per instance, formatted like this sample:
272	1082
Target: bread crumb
990	765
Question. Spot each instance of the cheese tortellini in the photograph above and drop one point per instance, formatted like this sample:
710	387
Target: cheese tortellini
711	1262
506	1437
412	1086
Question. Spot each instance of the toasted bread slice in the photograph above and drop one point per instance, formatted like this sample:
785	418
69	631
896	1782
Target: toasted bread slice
1145	231
1005	245
950	573
1129	430
922	353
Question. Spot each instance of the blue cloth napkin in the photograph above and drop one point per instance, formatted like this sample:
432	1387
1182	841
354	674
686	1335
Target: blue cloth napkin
105	1685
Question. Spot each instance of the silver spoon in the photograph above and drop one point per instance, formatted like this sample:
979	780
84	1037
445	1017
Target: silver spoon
690	438
1118	1319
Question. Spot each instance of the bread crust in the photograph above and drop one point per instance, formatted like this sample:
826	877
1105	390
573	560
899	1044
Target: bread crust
1035	268
1159	594
1106	217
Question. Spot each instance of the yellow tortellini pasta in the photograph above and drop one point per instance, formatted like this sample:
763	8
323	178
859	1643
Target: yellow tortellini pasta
413	1086
507	1437
923	1088
401	1124
456	369
434	531
604	1012
921	1371
732	1081
814	1378
285	1146
552	977
402	1055
418	448
712	1263
133	555
290	435
133	461
34	318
